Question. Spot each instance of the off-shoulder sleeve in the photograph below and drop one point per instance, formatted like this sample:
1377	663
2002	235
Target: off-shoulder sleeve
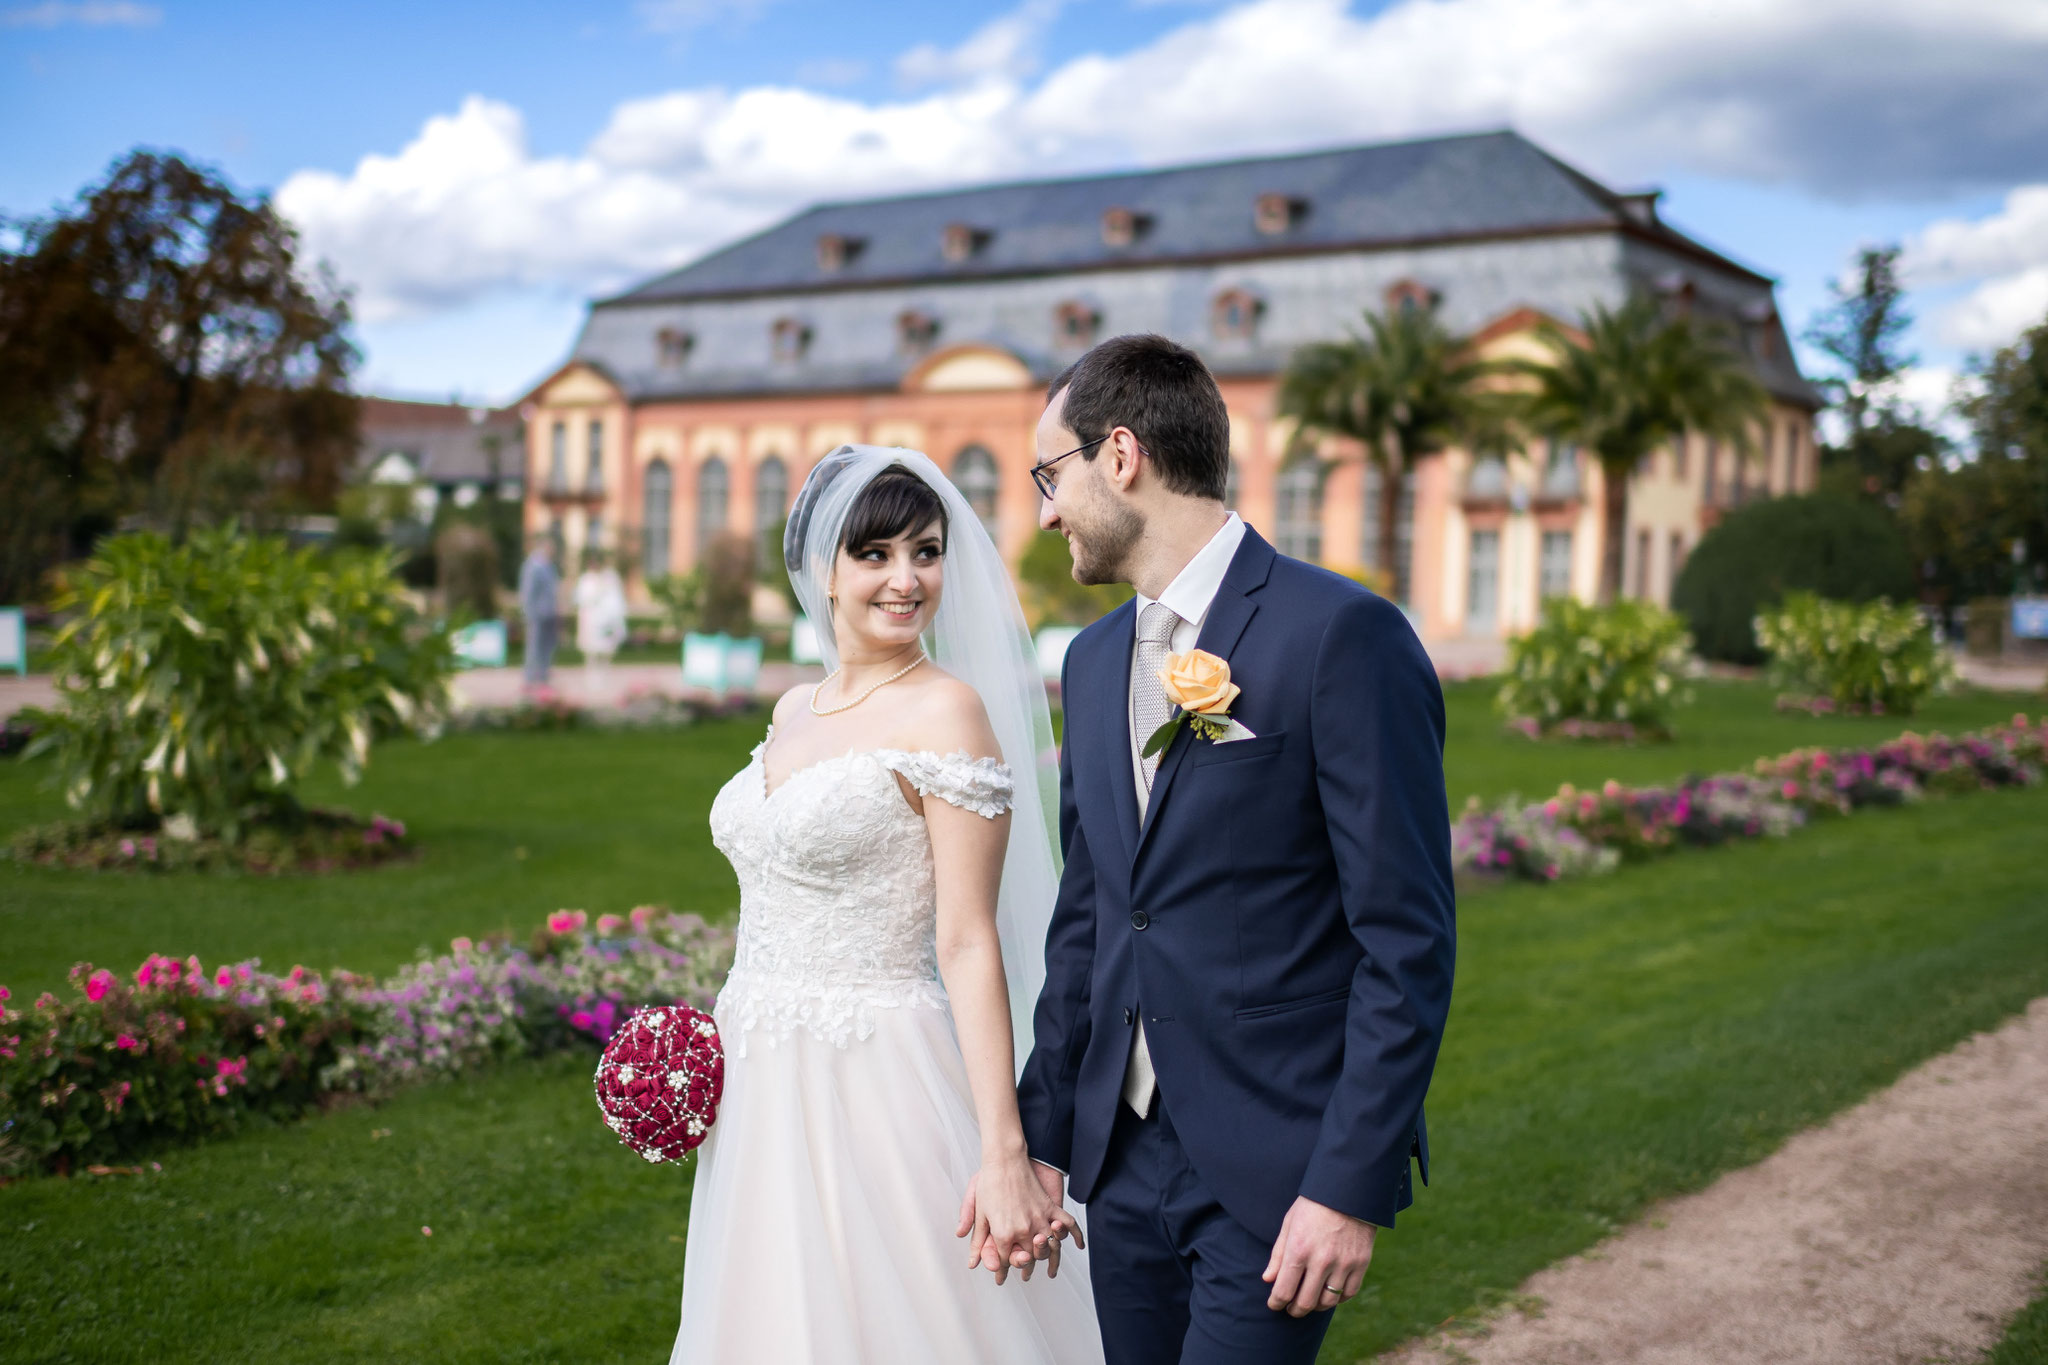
982	785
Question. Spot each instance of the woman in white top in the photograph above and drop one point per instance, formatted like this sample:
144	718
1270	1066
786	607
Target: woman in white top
600	620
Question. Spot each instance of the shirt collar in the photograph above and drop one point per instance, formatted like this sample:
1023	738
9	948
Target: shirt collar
1195	586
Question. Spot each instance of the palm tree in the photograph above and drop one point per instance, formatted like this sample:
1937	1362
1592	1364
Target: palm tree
1409	387
1632	381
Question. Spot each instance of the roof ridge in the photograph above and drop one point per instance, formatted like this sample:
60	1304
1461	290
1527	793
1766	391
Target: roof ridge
1144	172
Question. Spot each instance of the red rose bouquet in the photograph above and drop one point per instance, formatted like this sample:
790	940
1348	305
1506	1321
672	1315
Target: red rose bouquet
660	1081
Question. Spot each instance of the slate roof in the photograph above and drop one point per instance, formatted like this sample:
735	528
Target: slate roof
1471	187
445	441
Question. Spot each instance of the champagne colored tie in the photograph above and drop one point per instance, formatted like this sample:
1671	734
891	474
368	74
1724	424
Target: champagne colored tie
1149	706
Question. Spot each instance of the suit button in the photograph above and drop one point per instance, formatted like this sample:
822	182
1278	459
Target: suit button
1127	1016
1139	919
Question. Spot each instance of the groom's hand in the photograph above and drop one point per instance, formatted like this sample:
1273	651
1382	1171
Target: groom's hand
1319	1261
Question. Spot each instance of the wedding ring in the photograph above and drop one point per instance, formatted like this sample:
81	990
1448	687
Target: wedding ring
1333	1289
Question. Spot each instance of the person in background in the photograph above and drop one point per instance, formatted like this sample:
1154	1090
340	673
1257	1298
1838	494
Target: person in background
600	618
539	588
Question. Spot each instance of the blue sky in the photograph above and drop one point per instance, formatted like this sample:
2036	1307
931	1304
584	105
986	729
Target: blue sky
475	172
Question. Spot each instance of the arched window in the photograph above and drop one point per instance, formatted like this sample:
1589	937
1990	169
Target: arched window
657	489
558	458
713	486
593	473
1299	514
974	474
771	503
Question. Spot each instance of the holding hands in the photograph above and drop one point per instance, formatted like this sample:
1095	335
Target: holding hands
1013	1217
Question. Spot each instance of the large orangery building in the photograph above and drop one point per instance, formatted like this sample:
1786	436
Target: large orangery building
694	404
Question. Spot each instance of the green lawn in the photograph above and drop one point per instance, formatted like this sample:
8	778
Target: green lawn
2026	1340
1613	1041
1730	726
510	827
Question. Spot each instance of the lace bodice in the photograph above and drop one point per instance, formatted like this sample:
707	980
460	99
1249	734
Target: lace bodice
838	906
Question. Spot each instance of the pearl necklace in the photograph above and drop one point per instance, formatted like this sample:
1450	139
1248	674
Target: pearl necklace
835	710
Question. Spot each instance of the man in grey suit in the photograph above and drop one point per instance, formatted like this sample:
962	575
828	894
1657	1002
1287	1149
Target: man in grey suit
539	588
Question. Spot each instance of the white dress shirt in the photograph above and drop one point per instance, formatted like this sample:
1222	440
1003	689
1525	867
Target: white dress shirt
1189	596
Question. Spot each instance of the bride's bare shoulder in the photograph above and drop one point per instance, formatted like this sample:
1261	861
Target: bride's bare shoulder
946	716
790	703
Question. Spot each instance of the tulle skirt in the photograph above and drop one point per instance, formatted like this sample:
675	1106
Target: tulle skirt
821	1225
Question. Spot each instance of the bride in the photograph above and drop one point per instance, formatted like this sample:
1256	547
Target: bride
892	838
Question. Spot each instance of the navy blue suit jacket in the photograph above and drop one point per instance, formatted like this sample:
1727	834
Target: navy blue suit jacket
1283	918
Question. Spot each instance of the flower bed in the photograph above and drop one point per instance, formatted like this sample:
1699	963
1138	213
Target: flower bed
315	841
174	1052
1577	833
640	708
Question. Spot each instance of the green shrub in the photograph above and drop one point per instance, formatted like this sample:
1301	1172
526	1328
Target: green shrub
726	602
199	683
1623	665
466	563
1051	596
1869	656
1841	548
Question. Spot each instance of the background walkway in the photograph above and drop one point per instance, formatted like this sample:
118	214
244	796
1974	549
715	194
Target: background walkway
500	686
1907	1229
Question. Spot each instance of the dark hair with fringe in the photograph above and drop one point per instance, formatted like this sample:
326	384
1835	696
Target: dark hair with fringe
895	501
1165	394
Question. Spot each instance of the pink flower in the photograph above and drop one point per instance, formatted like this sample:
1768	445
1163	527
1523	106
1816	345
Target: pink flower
126	1043
146	973
127	847
461	945
1791	790
224	978
243	974
642	916
610	924
6	994
566	921
96	984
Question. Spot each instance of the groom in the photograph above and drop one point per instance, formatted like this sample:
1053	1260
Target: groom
1249	963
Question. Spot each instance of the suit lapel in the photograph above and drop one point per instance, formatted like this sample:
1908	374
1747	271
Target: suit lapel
1228	616
1116	727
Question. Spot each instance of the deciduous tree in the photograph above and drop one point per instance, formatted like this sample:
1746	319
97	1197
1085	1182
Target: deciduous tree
167	360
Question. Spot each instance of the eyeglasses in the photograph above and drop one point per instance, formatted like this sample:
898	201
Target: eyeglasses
1046	483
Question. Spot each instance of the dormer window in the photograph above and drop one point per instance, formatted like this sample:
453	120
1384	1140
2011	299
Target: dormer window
915	330
1074	323
1235	314
1403	295
1678	292
672	346
789	338
1641	207
836	251
1276	213
1121	226
961	241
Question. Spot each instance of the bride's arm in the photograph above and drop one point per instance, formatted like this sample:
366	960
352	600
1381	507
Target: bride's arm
1013	1211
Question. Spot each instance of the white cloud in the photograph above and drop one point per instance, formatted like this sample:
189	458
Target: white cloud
680	16
1004	47
91	14
2004	260
1833	96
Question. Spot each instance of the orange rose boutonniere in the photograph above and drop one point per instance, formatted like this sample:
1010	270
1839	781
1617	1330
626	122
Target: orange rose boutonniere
1198	684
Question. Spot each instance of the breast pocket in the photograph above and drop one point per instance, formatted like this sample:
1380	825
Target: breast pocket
1237	750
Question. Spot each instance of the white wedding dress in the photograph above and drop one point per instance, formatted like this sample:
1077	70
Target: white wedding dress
822	1223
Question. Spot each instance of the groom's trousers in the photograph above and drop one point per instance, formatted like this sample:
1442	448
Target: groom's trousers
1177	1279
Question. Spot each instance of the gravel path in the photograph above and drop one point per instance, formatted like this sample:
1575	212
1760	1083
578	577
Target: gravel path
1909	1229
